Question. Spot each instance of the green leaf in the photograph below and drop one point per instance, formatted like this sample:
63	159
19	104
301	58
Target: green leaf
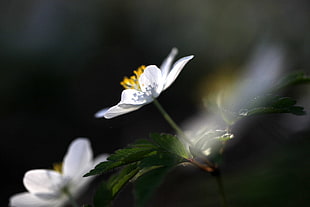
161	159
170	144
272	104
143	158
103	167
108	190
118	181
142	143
292	79
133	172
128	155
139	150
103	196
282	102
148	183
157	160
121	157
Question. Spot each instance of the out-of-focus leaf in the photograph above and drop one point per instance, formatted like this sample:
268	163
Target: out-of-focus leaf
296	110
292	79
170	143
103	196
148	183
272	104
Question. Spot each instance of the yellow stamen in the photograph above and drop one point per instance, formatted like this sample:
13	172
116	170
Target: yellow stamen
132	82
58	167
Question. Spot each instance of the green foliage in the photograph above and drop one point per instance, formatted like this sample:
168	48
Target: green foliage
117	181
276	104
107	191
268	103
103	196
170	144
292	79
145	162
160	159
121	157
147	184
272	104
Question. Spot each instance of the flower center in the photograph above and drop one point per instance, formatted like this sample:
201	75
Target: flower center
133	81
58	167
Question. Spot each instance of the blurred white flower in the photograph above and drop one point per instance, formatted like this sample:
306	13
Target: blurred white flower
53	188
146	85
228	96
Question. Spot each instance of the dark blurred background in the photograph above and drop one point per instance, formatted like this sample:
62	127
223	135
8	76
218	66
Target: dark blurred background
62	61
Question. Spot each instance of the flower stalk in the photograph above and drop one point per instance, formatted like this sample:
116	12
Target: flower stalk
221	191
209	167
170	120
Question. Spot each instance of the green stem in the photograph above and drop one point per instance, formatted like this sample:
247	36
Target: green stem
71	199
221	191
170	120
181	133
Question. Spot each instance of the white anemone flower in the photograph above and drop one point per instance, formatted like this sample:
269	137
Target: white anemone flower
54	188
145	85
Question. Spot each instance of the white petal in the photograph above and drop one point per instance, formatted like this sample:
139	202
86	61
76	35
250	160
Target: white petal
100	158
131	100
30	200
151	81
133	97
101	113
44	181
118	110
175	71
79	184
166	65
78	158
82	182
